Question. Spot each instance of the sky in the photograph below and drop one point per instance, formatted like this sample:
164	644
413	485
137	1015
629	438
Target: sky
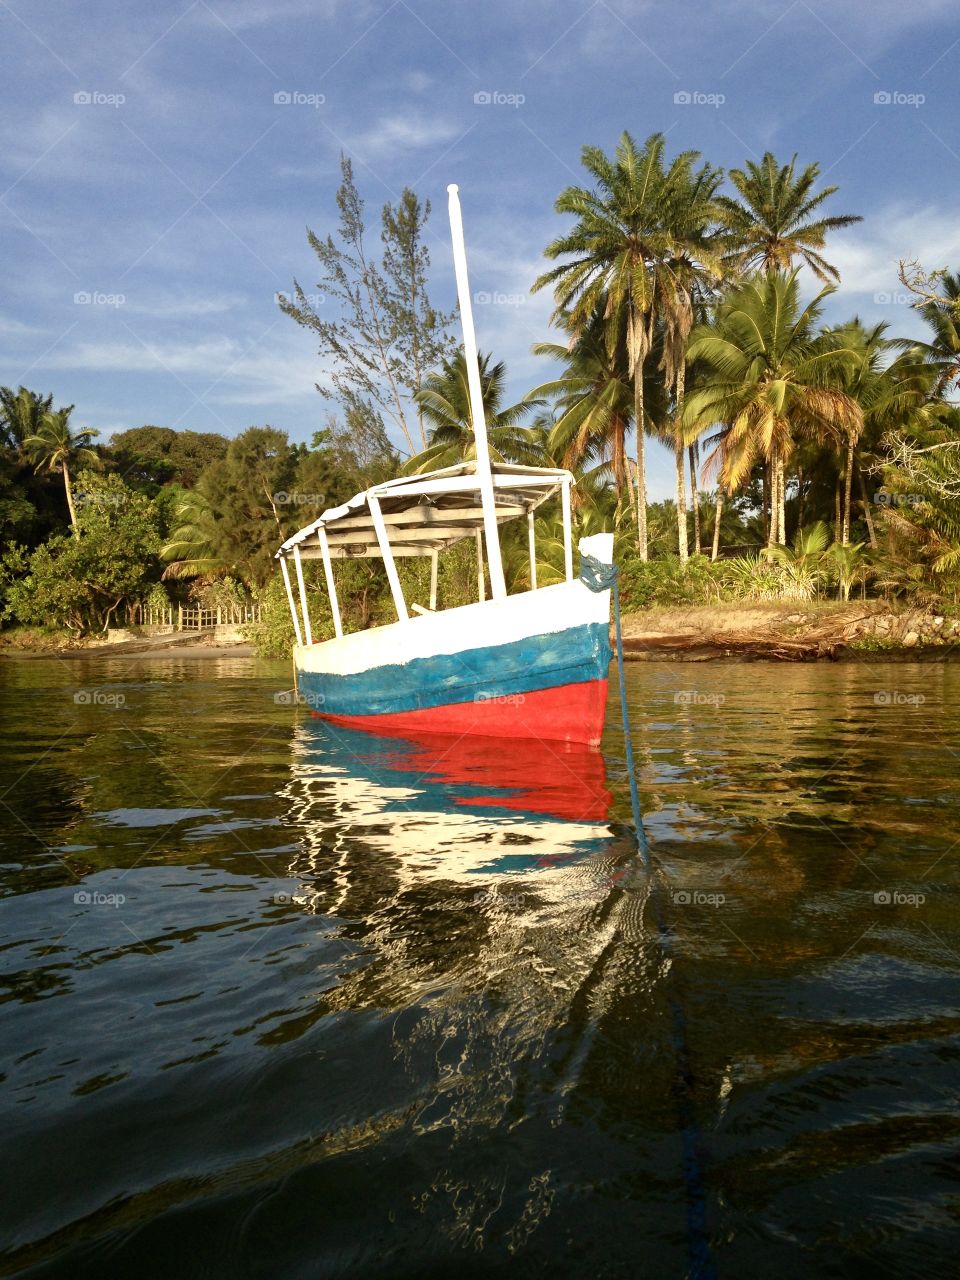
160	164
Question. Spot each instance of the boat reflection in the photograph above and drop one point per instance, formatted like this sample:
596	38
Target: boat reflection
446	807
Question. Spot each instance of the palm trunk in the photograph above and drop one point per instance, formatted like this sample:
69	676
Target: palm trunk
681	502
774	509
716	523
693	453
836	510
848	491
68	489
867	512
765	500
682	546
781	502
639	417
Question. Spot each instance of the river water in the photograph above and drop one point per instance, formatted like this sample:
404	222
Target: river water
281	1000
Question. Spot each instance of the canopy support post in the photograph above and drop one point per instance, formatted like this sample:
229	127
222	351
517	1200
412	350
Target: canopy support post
434	566
331	585
481	585
484	474
388	562
293	608
298	563
567	530
532	547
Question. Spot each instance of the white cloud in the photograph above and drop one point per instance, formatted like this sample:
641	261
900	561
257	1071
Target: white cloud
867	256
405	132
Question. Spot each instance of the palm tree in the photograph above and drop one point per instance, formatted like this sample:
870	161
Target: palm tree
944	319
197	544
777	218
54	447
613	254
770	378
890	394
444	401
593	403
21	415
685	283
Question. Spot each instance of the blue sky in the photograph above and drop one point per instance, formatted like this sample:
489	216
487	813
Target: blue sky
147	166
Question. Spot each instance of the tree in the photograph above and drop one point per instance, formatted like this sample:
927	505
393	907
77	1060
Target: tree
80	582
939	304
21	415
684	283
55	447
149	457
444	401
612	253
376	325
777	218
769	378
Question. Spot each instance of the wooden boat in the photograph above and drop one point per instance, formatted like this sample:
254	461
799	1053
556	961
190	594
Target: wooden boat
532	664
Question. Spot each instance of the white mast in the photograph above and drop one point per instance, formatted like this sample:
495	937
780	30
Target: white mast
484	474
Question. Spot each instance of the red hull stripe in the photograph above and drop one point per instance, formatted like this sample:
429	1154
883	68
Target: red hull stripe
566	713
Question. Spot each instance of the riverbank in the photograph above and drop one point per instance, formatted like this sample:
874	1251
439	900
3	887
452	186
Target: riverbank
180	644
784	631
791	631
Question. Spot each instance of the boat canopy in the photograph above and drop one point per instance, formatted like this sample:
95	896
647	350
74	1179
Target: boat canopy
422	514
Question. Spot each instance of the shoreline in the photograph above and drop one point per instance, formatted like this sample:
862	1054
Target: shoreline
808	631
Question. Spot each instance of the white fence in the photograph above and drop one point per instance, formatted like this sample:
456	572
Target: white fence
177	618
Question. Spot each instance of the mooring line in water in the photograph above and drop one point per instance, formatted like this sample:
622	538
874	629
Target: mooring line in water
599	576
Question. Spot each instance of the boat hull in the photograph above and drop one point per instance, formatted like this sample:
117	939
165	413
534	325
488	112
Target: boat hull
530	666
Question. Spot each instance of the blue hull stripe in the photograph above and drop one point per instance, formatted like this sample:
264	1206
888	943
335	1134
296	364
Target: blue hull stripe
574	656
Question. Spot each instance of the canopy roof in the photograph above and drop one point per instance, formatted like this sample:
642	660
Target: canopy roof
425	513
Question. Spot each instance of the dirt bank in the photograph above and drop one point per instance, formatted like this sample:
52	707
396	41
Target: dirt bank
791	632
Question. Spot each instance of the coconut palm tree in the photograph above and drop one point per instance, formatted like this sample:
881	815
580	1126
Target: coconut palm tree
943	350
769	378
444	401
777	218
891	394
611	258
53	446
685	284
21	415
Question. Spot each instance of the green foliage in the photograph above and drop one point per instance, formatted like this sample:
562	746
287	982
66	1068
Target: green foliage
645	584
378	332
148	457
80	582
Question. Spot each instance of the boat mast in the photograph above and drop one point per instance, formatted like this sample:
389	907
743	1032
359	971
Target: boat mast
484	474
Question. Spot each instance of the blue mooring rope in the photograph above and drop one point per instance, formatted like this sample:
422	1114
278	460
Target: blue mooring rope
599	576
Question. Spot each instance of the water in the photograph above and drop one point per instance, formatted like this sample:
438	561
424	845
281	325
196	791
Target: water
281	1001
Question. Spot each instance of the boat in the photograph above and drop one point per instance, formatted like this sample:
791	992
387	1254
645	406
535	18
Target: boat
532	664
